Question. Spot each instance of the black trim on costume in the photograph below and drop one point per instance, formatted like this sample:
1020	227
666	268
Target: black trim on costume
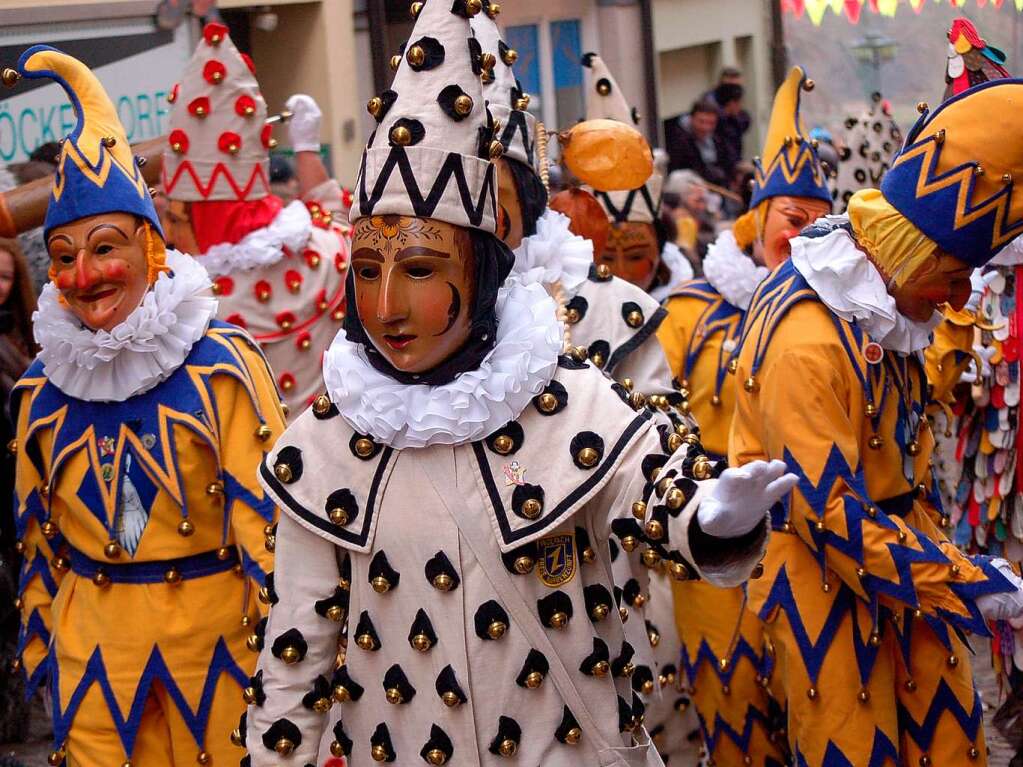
511	536
324	525
638	338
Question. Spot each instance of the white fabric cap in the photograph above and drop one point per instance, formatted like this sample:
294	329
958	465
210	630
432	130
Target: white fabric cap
218	145
429	156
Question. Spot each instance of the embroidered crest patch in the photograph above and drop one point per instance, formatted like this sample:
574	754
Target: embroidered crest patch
557	561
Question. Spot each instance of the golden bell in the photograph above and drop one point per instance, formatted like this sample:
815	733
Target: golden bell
702	468
876	442
913	448
284	746
953	661
263	433
863	695
10	77
650	558
496	629
733	365
290	655
61	564
185	528
654	638
654	530
421	642
588	555
463	105
598	359
203	757
380	753
910	685
249	695
472	7
523	565
750	384
572	316
283	472
335	613
493	10
393	695
925	761
503	444
522	104
395	61
599	612
588	457
341	694
112	550
450	699
634	319
56	758
436	756
603	88
508	747
401	135
442	582
363	447
236	738
637	400
675	499
101	579
263	595
812	693
414	10
338	516
496	149
871	410
321	705
531	508
972	752
48	529
548	402
600	668
679	571
374	106
510	56
573	736
758	571
639	509
559	620
629	543
488	61
674	442
380	585
215	488
416	56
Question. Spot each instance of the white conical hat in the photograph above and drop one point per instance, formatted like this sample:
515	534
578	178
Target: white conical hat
429	156
218	147
504	95
605	100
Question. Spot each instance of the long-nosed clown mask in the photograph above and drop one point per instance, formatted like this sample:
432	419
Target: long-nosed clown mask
786	217
100	266
632	253
414	288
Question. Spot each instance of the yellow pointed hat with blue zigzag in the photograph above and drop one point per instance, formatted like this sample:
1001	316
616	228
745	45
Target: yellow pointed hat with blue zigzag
792	166
954	176
96	172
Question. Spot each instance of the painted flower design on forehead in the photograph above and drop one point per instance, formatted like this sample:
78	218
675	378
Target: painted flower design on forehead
400	228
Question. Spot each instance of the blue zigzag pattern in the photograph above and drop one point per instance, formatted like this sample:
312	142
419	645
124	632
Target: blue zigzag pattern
155	670
724	729
944	700
882	753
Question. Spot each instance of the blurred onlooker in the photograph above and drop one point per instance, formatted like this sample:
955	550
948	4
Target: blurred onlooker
733	120
688	204
41	164
693	143
17	303
282	178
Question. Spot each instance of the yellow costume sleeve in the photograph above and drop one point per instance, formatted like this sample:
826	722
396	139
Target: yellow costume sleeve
39	578
877	555
949	355
674	334
251	419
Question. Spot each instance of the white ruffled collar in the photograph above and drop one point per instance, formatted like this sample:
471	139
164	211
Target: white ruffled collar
853	288
731	272
554	255
139	353
469	408
290	229
679	268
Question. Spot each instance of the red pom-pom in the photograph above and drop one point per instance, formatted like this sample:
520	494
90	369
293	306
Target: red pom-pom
173	95
214	33
339	262
249	62
312	258
321	301
303	341
237	319
229	142
245	106
262	290
346	197
293	280
199	107
266	135
214	72
287	382
178	141
223	286
285	320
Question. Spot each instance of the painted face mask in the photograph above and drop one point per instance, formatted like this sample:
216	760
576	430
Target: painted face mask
632	253
99	265
786	217
509	213
941	279
414	288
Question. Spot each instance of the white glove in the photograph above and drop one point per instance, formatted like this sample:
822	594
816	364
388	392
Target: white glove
742	497
978	284
304	125
1007	606
970	375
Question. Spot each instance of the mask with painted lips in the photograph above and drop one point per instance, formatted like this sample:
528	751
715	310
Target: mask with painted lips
632	253
942	279
786	218
99	265
414	288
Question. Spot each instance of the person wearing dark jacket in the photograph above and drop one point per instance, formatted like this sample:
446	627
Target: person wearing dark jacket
693	143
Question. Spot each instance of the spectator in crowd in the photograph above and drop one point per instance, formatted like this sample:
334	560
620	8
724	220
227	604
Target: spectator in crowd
40	164
687	204
282	178
17	302
733	120
693	143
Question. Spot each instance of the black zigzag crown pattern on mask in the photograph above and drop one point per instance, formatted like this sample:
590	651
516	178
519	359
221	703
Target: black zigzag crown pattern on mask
622	215
517	125
424	207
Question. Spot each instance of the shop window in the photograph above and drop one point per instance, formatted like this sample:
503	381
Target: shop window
566	52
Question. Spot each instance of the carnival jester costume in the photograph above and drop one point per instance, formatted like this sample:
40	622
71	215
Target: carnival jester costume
139	430
725	657
450	502
865	600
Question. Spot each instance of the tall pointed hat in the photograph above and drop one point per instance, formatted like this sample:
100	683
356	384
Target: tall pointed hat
96	172
503	92
789	164
605	100
219	143
430	153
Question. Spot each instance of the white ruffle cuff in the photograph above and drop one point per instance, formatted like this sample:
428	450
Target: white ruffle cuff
554	255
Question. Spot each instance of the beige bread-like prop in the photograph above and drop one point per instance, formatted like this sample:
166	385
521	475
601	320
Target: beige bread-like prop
607	155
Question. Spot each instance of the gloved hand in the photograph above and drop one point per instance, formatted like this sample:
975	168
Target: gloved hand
742	497
304	125
1006	606
978	283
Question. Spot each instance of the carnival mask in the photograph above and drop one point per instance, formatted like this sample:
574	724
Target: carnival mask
632	253
100	266
786	217
175	217
509	215
414	288
941	279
